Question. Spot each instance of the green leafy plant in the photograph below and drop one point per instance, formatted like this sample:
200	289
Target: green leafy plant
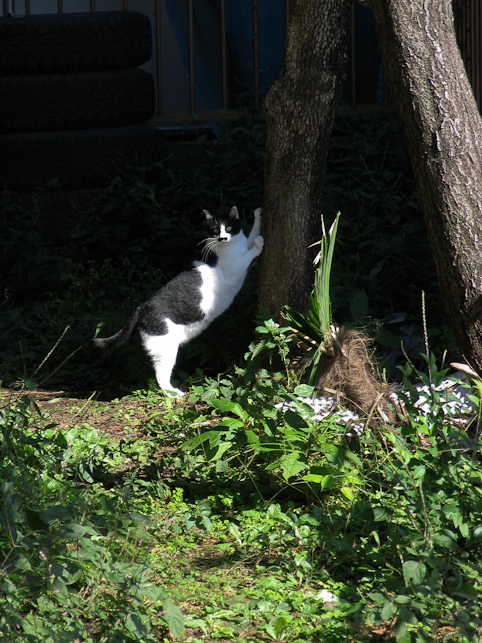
279	438
292	532
70	563
428	514
314	332
337	359
274	342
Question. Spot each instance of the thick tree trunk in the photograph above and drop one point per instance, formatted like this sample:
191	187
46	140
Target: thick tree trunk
299	109
443	129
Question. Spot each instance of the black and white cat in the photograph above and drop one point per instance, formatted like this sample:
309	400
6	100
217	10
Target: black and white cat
185	306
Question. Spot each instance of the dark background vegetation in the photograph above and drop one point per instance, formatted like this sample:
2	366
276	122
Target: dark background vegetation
109	250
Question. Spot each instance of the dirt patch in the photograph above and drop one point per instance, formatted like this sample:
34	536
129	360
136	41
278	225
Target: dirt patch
67	409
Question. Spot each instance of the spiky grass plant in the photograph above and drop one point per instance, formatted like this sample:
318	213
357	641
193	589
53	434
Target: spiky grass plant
337	360
314	332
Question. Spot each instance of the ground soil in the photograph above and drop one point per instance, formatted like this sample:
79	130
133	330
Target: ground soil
67	409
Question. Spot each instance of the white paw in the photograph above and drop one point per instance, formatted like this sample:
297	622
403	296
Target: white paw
257	213
259	243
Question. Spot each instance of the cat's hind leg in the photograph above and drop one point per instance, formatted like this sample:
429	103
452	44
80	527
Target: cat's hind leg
162	350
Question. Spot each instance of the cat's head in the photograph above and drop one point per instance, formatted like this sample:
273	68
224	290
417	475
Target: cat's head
222	229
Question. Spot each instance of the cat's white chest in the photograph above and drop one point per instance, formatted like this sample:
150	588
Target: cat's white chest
219	288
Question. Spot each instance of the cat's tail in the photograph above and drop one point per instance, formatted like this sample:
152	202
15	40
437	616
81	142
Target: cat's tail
121	337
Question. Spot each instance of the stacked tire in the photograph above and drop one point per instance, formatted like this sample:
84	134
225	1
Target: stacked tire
73	102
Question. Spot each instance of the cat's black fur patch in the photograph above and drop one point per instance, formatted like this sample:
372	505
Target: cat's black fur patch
179	300
211	259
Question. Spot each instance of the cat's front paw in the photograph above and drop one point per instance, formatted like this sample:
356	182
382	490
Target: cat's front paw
257	213
259	243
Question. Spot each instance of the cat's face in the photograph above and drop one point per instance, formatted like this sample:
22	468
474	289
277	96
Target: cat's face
223	229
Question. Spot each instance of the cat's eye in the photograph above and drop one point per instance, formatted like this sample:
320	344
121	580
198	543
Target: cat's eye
216	230
229	228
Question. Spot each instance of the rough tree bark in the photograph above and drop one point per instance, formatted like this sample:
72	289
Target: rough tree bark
443	130
300	108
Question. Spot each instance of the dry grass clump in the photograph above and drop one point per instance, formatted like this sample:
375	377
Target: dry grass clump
349	371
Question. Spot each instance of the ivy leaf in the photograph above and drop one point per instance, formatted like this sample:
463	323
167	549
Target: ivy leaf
218	452
235	533
140	519
34	520
303	390
226	406
294	420
413	572
291	465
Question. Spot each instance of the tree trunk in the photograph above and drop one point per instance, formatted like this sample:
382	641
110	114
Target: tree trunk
443	130
300	108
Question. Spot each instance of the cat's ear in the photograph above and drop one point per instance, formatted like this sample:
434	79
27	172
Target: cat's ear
234	213
208	215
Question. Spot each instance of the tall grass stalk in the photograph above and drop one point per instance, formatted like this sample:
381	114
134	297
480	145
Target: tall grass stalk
320	298
311	331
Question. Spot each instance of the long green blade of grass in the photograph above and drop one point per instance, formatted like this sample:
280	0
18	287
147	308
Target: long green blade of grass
321	292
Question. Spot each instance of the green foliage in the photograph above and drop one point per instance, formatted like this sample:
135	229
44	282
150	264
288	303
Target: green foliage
320	307
71	562
272	343
432	534
405	530
264	521
276	437
429	514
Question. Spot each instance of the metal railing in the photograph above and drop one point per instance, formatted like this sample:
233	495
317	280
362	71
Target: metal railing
468	20
227	113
